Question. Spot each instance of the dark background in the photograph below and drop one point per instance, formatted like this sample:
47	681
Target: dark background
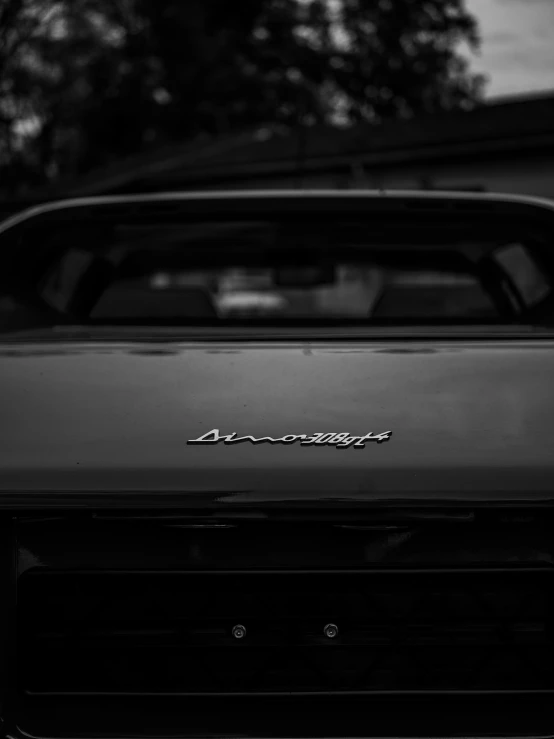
113	96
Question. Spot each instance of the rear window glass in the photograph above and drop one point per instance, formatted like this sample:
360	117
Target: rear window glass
293	272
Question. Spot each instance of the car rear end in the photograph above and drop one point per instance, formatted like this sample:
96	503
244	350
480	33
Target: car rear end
275	587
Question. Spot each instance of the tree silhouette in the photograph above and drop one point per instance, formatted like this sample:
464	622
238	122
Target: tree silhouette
85	82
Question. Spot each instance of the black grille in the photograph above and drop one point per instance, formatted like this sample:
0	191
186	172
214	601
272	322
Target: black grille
124	624
398	631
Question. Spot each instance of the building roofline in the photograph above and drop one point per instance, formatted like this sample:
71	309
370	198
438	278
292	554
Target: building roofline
422	139
422	155
525	97
143	165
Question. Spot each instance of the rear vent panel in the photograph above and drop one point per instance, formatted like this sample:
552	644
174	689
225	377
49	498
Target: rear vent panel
437	625
159	633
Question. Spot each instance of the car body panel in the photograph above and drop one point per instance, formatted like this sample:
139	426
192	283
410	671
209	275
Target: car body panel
337	199
470	420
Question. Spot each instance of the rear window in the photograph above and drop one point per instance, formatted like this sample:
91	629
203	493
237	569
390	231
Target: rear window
284	271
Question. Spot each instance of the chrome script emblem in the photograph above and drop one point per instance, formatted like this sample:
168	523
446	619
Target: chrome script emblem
340	441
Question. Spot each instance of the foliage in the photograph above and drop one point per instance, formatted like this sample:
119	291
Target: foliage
86	82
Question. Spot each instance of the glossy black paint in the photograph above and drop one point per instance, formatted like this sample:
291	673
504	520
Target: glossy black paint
470	421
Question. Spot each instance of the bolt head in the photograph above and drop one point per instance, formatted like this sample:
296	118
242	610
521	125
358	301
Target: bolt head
239	631
331	631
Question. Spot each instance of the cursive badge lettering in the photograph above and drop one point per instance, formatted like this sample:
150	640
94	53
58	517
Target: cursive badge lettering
338	440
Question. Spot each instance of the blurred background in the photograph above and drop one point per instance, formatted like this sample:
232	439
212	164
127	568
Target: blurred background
122	96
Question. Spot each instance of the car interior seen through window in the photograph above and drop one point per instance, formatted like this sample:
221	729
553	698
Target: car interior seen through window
289	273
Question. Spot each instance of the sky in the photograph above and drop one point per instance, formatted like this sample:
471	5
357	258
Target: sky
517	51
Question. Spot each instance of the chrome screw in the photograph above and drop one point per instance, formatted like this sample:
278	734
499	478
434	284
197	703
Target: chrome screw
331	631
239	631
